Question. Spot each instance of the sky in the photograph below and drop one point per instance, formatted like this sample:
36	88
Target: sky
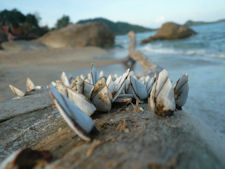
149	13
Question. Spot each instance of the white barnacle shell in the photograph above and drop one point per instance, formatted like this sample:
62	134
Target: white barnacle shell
61	88
94	75
17	92
149	83
139	88
119	84
81	102
101	74
80	122
30	85
65	79
161	99
181	89
83	77
101	96
78	84
88	87
109	82
53	83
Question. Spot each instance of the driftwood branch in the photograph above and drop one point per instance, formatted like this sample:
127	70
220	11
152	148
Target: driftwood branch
15	107
135	56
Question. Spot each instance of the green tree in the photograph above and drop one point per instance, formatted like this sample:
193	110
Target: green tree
32	20
13	17
62	22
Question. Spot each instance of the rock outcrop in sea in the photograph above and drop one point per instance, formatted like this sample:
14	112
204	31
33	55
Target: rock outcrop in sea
171	31
88	34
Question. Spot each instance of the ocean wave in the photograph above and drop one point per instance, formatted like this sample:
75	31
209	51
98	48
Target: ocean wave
159	50
191	52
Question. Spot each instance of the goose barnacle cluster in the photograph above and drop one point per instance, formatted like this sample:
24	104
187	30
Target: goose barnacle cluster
77	98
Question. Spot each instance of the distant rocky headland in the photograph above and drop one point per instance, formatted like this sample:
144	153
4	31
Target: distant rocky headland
118	28
196	23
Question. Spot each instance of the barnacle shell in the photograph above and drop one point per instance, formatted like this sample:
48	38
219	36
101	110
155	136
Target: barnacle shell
65	79
81	102
162	95
30	85
101	96
181	89
139	88
80	122
17	92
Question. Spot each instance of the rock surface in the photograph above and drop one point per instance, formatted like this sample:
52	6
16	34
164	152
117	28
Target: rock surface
171	31
88	34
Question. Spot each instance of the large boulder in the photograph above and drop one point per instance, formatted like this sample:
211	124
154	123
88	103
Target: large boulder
171	31
88	34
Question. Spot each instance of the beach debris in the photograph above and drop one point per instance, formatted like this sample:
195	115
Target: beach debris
162	100
181	89
79	121
26	158
78	98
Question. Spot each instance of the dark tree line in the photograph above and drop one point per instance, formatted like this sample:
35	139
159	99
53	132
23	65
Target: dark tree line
28	25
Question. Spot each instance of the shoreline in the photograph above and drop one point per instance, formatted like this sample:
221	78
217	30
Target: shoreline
45	65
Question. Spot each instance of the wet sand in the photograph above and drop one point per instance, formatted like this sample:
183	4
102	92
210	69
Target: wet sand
45	65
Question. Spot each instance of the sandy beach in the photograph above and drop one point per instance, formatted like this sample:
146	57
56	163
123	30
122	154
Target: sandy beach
44	65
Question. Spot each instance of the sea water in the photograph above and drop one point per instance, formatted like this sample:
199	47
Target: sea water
201	56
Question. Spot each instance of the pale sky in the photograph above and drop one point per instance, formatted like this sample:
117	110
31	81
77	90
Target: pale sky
150	13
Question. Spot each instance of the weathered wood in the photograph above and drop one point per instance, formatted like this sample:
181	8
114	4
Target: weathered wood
128	140
28	129
15	107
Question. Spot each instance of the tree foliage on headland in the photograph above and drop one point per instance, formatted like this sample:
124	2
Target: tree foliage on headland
62	22
118	27
23	26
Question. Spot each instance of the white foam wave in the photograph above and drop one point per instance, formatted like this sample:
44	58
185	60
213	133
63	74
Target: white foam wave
197	52
159	50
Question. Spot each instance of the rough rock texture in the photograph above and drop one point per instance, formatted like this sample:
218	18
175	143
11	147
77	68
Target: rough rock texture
171	31
88	34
